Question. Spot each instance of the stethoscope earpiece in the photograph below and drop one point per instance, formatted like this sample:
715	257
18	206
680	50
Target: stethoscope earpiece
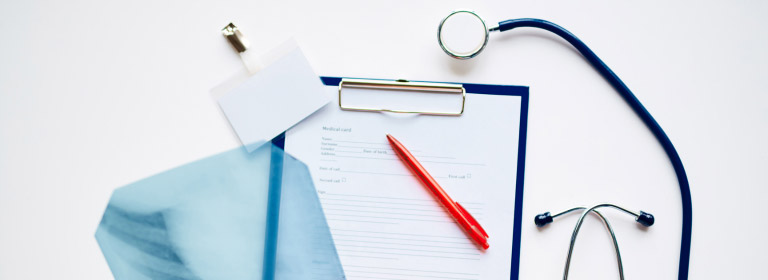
543	219
643	218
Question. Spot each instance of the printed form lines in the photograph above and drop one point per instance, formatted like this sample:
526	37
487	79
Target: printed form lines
409	275
433	204
343	250
400	198
416	270
419	244
399	233
376	272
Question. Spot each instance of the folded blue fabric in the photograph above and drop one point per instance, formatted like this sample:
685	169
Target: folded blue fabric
207	220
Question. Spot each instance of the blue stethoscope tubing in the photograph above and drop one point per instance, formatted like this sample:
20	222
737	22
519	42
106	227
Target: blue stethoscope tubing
634	103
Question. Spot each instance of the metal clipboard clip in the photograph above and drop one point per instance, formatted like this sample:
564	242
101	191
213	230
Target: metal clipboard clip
449	99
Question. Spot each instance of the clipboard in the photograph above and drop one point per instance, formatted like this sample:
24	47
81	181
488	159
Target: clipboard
460	90
273	206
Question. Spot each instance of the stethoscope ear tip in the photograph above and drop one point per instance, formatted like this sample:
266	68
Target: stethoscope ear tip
645	219
543	219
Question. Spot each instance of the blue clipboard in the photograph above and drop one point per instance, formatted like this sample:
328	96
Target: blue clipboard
508	90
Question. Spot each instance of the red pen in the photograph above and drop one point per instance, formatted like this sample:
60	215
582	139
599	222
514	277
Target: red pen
465	220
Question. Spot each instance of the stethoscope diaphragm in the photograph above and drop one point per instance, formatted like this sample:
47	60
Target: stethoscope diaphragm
462	34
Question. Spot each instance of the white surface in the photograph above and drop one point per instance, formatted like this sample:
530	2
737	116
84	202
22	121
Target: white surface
385	223
98	94
274	99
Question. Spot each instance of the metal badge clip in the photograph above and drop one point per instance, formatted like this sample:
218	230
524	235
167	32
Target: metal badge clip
235	37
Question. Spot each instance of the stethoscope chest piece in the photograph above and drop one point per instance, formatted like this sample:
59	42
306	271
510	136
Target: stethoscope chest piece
462	34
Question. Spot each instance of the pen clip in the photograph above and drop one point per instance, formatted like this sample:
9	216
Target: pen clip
471	219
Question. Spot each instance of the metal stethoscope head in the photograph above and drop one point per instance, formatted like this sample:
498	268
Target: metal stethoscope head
462	34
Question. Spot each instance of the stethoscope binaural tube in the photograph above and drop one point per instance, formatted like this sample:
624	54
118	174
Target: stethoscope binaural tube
643	218
607	73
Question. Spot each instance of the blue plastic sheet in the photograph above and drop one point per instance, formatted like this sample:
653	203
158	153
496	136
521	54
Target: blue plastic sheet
208	220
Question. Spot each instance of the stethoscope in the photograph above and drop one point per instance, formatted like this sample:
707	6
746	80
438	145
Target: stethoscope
463	35
643	218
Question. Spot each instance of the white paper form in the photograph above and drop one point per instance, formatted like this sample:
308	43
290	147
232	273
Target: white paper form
385	223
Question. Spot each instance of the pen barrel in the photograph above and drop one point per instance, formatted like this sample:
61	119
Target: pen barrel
459	214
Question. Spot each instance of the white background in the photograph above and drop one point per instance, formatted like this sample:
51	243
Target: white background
97	94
